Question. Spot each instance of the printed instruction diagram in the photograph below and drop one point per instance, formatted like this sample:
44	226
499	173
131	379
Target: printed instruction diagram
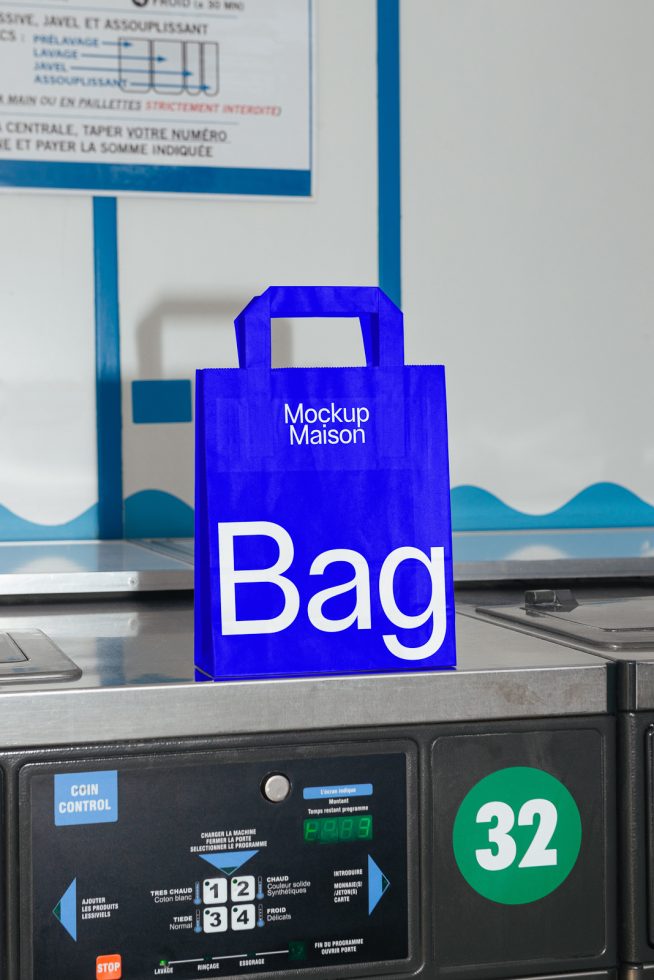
168	67
224	91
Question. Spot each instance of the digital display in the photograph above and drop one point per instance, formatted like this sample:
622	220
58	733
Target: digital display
334	830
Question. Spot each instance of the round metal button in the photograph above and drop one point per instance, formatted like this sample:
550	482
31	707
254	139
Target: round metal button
276	788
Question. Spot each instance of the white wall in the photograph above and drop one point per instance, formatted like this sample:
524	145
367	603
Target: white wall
528	236
528	228
47	364
187	268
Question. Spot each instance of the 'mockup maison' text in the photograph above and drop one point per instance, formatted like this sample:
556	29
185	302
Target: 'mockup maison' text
317	426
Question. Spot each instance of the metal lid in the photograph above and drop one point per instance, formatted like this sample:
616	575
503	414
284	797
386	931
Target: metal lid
610	625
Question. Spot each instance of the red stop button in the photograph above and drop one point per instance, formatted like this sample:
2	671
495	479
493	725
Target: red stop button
109	967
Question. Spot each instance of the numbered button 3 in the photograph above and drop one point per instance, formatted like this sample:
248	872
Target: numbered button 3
215	919
243	889
243	917
214	891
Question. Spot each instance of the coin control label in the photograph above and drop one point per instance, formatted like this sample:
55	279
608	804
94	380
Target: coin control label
199	875
85	797
517	835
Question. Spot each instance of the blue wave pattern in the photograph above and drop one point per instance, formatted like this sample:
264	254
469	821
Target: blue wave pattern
14	528
600	505
154	513
148	514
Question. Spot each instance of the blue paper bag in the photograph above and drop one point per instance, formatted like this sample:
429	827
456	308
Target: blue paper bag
323	532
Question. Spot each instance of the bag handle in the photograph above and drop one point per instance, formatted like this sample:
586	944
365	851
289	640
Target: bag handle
382	322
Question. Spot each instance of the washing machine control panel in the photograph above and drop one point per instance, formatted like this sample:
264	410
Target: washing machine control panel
206	866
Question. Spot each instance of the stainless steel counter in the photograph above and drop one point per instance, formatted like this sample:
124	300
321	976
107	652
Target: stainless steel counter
78	567
591	553
634	662
136	658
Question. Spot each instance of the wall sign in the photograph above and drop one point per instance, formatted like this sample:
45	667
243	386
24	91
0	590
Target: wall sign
181	96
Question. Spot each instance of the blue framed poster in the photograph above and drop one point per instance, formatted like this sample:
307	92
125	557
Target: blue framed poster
159	96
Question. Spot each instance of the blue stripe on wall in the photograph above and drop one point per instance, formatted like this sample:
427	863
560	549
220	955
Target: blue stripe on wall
116	178
389	153
107	364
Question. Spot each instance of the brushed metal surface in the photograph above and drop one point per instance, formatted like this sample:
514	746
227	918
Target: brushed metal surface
635	686
9	651
136	657
643	693
183	548
78	567
592	553
31	655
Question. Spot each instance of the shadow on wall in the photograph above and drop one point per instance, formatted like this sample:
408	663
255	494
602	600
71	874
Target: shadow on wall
158	413
159	451
210	312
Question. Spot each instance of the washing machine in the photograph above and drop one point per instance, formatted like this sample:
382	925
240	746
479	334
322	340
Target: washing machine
591	591
452	824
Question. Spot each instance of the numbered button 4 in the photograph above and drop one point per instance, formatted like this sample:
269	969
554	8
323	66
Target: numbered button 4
214	891
215	919
243	889
243	917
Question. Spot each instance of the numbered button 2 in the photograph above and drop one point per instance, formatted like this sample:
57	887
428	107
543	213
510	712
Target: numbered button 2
215	919
243	917
243	889
214	891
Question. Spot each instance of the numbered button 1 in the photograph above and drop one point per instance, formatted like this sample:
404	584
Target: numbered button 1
215	920
243	917
243	889
214	891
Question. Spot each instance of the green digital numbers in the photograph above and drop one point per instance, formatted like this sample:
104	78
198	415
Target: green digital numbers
336	830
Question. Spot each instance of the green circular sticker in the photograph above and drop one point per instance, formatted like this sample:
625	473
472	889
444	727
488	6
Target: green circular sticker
517	835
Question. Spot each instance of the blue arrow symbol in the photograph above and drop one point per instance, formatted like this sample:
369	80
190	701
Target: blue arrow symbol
132	71
158	85
65	911
378	885
118	44
126	57
228	861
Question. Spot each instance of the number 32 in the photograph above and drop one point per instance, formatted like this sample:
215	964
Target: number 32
537	855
